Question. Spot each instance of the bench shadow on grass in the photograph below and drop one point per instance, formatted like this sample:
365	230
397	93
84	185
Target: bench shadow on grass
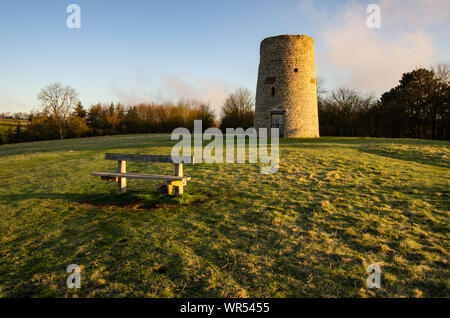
131	199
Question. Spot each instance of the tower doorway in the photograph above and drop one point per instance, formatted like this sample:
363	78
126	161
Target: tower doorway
278	122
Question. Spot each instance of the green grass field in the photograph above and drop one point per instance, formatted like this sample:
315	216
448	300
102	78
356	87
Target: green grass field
10	125
6	124
336	206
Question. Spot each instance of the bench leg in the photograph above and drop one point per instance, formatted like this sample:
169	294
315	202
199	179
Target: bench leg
179	173
122	168
178	185
179	190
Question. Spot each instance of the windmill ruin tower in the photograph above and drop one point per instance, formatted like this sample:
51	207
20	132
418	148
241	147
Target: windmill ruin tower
286	96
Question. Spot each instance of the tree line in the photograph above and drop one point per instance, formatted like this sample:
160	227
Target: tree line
112	119
63	116
416	108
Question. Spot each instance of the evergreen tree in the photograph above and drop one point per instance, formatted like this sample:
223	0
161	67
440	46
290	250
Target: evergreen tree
80	111
17	136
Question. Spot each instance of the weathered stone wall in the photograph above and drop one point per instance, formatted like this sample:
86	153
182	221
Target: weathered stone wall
287	83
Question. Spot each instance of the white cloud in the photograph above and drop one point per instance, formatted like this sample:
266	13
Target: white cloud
374	59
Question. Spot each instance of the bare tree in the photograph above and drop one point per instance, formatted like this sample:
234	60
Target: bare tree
241	100
442	71
321	88
238	110
58	101
350	101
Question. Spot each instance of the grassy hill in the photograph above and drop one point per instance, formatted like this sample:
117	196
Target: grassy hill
336	206
10	125
13	122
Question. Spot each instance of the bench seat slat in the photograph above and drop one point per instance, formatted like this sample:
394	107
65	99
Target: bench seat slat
148	158
140	176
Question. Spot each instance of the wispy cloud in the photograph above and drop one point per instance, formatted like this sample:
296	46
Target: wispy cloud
7	104
415	13
374	59
169	87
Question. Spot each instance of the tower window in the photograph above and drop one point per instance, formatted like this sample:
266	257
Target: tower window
270	80
272	93
296	70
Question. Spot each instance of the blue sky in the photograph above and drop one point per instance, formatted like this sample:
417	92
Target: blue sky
132	51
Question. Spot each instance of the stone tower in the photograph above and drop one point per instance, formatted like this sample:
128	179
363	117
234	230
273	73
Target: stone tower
286	96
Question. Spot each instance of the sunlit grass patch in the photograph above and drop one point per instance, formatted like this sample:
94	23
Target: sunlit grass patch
336	206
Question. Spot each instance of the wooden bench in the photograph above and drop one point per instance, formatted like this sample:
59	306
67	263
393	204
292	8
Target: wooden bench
178	180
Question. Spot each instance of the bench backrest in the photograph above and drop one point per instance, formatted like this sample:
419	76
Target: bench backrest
149	158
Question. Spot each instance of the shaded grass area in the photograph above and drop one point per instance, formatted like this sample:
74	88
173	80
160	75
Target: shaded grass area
336	206
131	199
149	200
